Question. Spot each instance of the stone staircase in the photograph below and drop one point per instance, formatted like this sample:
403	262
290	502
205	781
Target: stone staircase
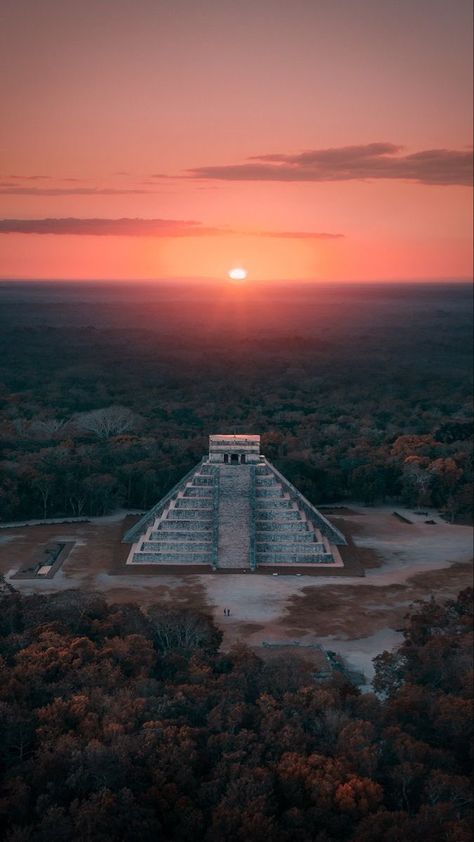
234	517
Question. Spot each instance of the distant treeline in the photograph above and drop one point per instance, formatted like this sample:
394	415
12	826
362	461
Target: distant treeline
106	403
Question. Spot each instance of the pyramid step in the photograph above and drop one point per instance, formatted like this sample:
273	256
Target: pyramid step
181	527
290	547
292	525
267	504
206	492
284	537
175	546
302	538
182	515
282	527
294	558
193	503
268	493
201	537
207	470
282	513
173	557
183	535
300	550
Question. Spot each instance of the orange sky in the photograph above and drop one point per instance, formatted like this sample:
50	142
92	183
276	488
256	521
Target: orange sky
315	140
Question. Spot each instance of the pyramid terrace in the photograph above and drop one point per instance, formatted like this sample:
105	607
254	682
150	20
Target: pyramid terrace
235	512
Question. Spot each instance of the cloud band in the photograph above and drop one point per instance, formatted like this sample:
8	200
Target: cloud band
350	163
142	228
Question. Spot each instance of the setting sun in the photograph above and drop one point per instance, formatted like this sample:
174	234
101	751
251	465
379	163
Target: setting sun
238	273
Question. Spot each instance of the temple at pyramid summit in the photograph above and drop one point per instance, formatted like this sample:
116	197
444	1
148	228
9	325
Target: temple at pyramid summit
235	512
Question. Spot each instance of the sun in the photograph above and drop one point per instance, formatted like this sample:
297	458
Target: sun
238	273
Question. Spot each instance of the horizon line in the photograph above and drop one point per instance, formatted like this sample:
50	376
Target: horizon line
228	282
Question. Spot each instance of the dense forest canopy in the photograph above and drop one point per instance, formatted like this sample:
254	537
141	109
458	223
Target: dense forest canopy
117	724
108	392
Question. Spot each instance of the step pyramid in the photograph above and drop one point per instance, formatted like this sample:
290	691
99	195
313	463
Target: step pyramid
234	512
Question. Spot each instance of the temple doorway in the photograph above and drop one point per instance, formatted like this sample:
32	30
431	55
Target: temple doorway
234	458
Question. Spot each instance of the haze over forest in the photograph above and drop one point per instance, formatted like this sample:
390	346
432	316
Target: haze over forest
358	392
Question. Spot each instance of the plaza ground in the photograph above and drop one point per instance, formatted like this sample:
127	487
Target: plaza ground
357	616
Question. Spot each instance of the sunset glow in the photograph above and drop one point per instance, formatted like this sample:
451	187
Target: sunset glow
237	274
135	147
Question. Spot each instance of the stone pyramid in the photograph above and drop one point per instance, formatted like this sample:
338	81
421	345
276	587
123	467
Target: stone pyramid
234	512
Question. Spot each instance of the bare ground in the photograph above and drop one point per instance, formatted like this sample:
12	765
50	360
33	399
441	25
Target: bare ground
359	617
352	612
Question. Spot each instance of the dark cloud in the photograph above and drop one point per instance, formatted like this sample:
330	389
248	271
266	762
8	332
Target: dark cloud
30	177
350	163
337	155
108	227
71	191
143	228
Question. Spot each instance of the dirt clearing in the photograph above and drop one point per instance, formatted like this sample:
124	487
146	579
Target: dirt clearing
357	616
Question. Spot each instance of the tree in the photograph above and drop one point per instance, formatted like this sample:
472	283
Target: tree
445	478
182	629
43	483
416	480
118	725
46	428
107	422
